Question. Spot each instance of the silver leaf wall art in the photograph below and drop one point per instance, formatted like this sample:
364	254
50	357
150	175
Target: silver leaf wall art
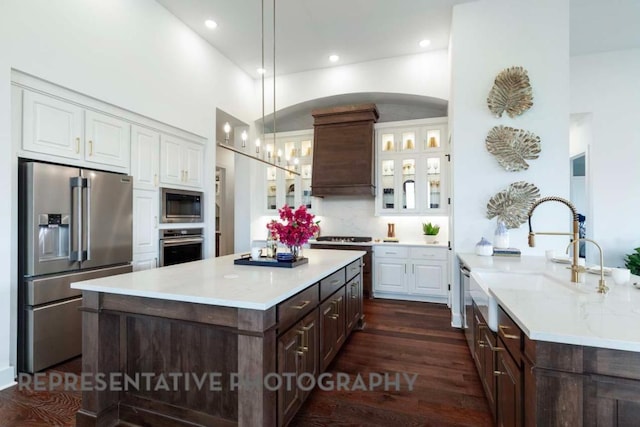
513	147
512	204
511	93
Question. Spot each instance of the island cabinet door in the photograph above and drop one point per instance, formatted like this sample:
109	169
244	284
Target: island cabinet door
353	303
509	390
290	364
332	326
310	326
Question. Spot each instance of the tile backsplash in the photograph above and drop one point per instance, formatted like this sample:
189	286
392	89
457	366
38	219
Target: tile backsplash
354	216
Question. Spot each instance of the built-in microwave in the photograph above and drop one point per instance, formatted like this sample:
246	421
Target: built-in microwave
181	206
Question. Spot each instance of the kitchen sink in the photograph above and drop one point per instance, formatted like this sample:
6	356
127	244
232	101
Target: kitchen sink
481	281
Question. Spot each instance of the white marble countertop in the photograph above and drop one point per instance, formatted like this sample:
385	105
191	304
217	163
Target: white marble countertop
571	313
381	243
218	281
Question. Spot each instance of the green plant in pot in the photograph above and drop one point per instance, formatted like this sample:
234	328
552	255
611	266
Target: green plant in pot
430	232
632	262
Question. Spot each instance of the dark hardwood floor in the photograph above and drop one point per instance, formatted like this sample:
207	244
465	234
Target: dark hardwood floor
400	337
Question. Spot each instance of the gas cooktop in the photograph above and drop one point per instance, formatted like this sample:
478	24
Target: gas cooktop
343	239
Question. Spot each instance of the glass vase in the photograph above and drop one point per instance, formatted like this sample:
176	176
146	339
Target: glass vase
296	251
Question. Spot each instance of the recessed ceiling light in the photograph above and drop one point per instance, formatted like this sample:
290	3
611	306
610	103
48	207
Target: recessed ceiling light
334	58
424	43
210	23
261	70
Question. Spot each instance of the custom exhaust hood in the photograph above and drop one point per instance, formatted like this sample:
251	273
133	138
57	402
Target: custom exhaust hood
343	160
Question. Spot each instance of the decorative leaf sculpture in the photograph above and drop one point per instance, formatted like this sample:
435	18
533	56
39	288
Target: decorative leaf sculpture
511	92
512	146
512	205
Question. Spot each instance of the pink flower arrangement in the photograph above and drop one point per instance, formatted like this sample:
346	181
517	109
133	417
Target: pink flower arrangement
297	229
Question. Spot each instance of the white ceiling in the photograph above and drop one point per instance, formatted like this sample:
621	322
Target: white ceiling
308	31
604	25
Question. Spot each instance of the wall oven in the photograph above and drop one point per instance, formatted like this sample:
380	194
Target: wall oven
181	206
181	245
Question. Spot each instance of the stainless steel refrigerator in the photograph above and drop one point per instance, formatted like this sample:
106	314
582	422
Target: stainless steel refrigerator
75	224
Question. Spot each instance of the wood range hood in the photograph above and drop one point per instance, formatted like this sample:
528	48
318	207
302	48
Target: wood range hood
343	144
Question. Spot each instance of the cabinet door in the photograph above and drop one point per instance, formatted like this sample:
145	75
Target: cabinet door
144	261
145	221
145	162
340	317
171	170
51	126
107	140
489	366
429	278
354	302
390	276
193	160
434	195
290	361
310	326
328	333
509	390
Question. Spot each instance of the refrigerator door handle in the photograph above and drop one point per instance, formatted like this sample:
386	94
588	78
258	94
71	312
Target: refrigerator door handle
86	235
76	219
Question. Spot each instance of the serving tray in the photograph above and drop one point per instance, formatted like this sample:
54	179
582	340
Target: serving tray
270	262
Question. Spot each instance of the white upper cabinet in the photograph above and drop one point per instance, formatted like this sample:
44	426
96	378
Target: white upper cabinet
56	127
51	126
193	164
145	158
107	140
181	162
412	168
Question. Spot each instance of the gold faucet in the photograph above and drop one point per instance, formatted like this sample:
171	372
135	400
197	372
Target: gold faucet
575	269
602	285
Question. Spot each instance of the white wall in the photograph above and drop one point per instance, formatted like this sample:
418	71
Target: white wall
133	54
607	86
425	74
487	37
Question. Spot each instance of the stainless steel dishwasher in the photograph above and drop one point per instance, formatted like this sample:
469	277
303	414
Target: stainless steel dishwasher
466	307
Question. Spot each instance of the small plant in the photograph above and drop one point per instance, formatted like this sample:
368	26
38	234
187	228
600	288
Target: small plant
632	262
430	229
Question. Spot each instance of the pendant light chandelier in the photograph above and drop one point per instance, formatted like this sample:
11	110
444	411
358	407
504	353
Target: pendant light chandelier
273	159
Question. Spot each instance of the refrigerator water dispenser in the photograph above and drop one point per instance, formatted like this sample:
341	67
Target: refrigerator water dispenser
53	236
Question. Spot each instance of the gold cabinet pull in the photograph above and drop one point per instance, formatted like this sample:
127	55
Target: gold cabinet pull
77	145
303	347
155	179
498	373
301	306
502	329
90	147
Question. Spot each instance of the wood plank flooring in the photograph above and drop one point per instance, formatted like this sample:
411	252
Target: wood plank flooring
400	336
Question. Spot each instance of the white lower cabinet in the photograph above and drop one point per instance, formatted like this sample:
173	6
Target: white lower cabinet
145	261
404	272
145	229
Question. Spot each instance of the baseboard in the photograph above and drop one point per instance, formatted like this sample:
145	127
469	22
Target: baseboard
417	298
7	377
456	320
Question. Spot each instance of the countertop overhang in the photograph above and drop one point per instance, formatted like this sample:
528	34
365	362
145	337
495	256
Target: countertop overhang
218	281
576	314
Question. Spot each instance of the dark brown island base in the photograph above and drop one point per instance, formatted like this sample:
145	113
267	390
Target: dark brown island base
246	354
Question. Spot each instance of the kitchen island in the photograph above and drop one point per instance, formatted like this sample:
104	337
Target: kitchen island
210	342
552	352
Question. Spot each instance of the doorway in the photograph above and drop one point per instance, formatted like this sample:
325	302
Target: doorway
579	142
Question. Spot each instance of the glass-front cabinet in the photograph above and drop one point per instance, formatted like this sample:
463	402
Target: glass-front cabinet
411	167
294	152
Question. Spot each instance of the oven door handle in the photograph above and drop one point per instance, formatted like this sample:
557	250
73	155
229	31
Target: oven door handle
179	242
